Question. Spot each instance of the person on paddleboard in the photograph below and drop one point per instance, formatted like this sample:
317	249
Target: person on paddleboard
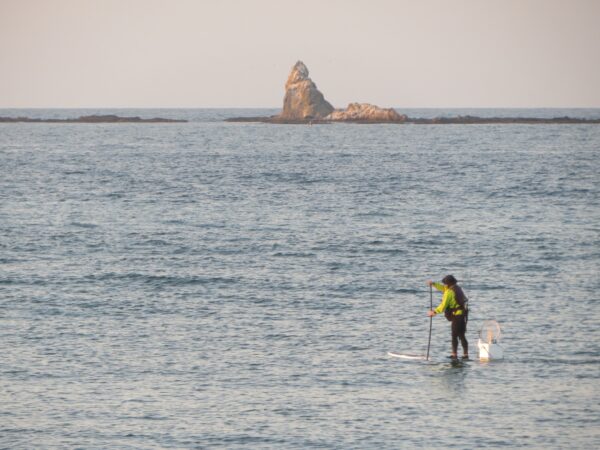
454	307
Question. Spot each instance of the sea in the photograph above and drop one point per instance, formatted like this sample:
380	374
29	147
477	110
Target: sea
239	285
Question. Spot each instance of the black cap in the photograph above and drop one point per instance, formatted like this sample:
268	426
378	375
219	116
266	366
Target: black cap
449	280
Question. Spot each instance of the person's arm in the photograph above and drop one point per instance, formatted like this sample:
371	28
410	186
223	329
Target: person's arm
441	307
439	286
446	300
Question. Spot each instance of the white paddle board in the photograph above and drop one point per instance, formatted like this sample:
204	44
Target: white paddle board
406	356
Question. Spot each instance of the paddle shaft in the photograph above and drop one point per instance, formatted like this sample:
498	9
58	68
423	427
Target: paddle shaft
430	320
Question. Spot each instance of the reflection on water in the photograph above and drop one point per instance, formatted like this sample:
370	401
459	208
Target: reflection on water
449	377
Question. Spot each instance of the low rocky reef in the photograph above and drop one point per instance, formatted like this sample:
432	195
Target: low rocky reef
305	104
458	120
108	118
359	112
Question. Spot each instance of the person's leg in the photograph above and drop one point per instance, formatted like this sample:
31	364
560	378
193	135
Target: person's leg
465	345
461	331
455	334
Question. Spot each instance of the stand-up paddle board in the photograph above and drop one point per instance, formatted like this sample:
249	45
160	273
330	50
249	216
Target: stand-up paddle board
435	361
407	356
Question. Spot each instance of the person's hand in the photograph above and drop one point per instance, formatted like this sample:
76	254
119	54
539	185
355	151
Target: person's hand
430	313
429	282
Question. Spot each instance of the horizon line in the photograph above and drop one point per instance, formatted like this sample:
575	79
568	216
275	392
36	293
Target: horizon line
278	107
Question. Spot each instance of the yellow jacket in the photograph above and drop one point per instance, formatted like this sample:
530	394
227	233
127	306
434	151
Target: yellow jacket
448	300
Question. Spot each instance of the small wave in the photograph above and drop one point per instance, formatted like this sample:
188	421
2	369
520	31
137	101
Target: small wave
297	178
407	291
27	281
210	225
485	287
156	242
83	225
163	279
351	348
536	268
427	243
278	336
567	361
294	255
374	214
115	195
144	417
385	251
11	260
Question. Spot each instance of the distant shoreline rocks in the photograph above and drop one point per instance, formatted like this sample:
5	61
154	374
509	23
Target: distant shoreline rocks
107	118
305	104
458	120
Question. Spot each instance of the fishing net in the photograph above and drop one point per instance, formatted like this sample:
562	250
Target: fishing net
490	332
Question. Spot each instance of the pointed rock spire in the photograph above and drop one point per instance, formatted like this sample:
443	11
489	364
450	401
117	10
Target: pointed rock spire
302	99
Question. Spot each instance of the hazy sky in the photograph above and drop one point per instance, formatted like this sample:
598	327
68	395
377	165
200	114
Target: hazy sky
227	53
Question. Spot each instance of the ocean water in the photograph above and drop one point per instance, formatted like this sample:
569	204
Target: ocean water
229	285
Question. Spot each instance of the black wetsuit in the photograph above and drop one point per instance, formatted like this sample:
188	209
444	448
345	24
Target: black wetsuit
459	322
459	328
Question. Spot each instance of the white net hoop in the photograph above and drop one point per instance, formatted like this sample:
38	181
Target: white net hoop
490	332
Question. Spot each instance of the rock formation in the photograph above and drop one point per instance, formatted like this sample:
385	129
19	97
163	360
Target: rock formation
365	112
303	101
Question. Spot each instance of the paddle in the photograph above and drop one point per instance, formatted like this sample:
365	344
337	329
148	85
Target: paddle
430	320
